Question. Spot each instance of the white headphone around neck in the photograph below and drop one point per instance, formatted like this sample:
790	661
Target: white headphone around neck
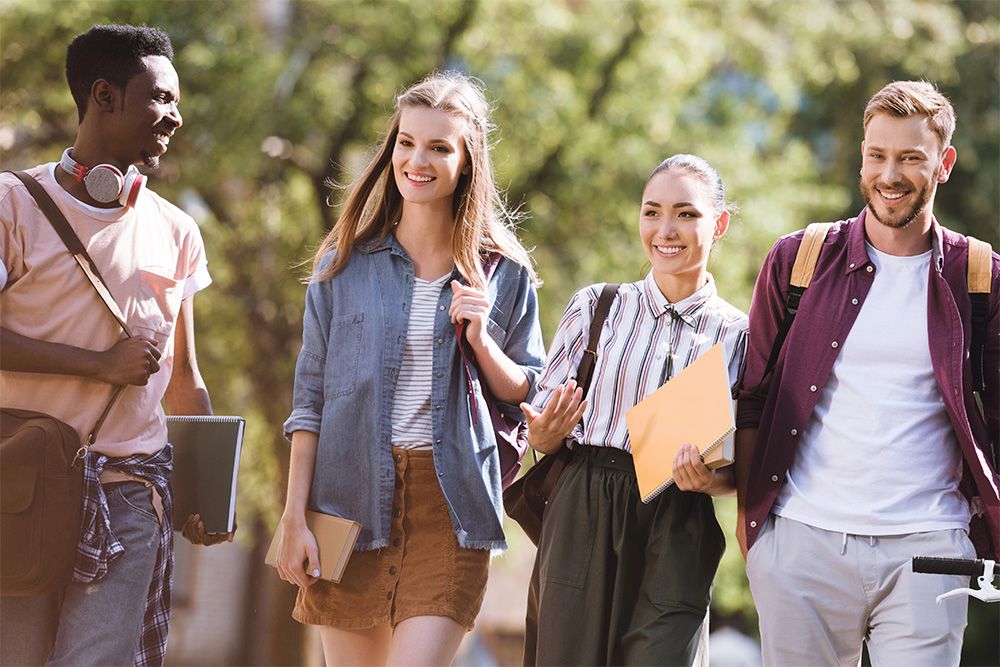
105	182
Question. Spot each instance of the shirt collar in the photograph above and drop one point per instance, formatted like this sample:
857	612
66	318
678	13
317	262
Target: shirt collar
376	244
686	309
857	253
391	244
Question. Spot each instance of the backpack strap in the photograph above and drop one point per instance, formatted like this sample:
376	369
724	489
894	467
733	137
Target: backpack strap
980	274
802	273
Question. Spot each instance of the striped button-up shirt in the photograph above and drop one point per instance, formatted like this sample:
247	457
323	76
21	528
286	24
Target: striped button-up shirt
645	341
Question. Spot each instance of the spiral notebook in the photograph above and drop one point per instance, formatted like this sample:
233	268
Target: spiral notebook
694	406
206	466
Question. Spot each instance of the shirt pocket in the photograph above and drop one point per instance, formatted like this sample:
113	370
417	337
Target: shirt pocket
160	296
343	352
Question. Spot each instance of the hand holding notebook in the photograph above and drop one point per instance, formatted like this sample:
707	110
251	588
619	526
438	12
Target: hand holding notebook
694	407
335	538
206	453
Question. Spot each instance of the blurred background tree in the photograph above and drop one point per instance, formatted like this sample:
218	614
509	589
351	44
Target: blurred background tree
282	97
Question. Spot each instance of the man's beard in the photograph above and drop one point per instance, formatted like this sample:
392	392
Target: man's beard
151	161
870	195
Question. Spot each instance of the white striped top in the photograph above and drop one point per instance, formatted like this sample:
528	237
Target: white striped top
645	340
411	406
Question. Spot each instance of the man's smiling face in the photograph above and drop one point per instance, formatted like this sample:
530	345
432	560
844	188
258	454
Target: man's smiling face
902	164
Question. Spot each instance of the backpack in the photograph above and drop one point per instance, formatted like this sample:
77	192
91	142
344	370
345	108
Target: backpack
979	273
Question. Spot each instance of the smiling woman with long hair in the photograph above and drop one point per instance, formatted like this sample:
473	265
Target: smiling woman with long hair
387	424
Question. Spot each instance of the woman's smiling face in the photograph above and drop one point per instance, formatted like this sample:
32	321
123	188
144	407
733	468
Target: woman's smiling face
429	155
678	223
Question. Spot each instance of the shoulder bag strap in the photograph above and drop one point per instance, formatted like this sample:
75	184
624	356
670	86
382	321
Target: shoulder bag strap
584	373
601	310
490	261
802	273
79	253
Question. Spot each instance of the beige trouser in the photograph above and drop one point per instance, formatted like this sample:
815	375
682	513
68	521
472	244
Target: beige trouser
821	594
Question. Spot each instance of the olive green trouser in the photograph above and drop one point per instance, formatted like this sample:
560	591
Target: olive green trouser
617	581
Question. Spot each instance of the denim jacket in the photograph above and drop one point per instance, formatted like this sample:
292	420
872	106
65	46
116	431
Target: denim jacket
354	329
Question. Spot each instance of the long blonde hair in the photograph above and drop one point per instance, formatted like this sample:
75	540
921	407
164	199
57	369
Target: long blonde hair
482	221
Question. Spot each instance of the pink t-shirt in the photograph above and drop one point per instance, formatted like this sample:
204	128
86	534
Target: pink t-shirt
151	257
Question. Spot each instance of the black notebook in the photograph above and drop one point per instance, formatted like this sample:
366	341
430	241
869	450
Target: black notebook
206	465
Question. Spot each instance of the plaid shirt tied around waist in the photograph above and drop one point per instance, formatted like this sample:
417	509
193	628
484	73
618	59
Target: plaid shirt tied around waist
99	547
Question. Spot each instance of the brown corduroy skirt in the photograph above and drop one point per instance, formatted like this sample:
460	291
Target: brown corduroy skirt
423	571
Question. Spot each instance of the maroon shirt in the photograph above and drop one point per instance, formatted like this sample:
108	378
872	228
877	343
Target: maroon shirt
782	406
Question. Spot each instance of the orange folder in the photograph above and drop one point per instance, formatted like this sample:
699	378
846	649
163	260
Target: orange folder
695	406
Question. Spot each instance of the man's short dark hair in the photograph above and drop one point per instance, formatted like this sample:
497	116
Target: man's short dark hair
113	53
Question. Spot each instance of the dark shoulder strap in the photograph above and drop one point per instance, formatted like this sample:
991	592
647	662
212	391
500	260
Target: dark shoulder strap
79	253
980	278
601	310
73	244
802	273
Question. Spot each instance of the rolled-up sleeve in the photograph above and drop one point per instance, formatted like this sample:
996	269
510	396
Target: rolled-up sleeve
308	397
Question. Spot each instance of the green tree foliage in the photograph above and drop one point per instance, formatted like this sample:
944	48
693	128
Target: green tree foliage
282	97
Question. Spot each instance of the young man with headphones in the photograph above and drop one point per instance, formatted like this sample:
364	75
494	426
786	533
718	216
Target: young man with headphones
65	355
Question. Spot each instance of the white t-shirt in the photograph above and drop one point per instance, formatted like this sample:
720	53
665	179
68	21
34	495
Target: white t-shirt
879	456
411	406
151	257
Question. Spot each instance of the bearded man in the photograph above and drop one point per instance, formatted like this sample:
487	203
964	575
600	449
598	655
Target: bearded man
863	445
